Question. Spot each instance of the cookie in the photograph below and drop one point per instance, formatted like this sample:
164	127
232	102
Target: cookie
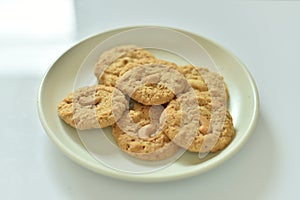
110	64
92	107
137	133
205	139
214	130
152	84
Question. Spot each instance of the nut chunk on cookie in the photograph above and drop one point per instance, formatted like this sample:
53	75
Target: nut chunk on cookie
92	107
137	133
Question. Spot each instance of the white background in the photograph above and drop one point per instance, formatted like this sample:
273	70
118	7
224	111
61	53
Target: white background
265	35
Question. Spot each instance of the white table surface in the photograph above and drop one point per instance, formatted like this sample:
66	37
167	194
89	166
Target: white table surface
265	35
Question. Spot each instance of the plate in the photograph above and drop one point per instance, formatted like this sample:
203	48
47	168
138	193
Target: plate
63	75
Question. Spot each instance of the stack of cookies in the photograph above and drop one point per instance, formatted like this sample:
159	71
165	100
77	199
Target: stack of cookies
154	106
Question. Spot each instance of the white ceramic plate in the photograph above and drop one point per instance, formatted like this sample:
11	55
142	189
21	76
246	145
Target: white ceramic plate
63	75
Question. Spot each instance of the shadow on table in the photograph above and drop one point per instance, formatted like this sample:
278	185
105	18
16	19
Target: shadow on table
245	176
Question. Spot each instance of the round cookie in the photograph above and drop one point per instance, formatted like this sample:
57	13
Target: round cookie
111	62
215	130
92	107
152	84
137	133
206	138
